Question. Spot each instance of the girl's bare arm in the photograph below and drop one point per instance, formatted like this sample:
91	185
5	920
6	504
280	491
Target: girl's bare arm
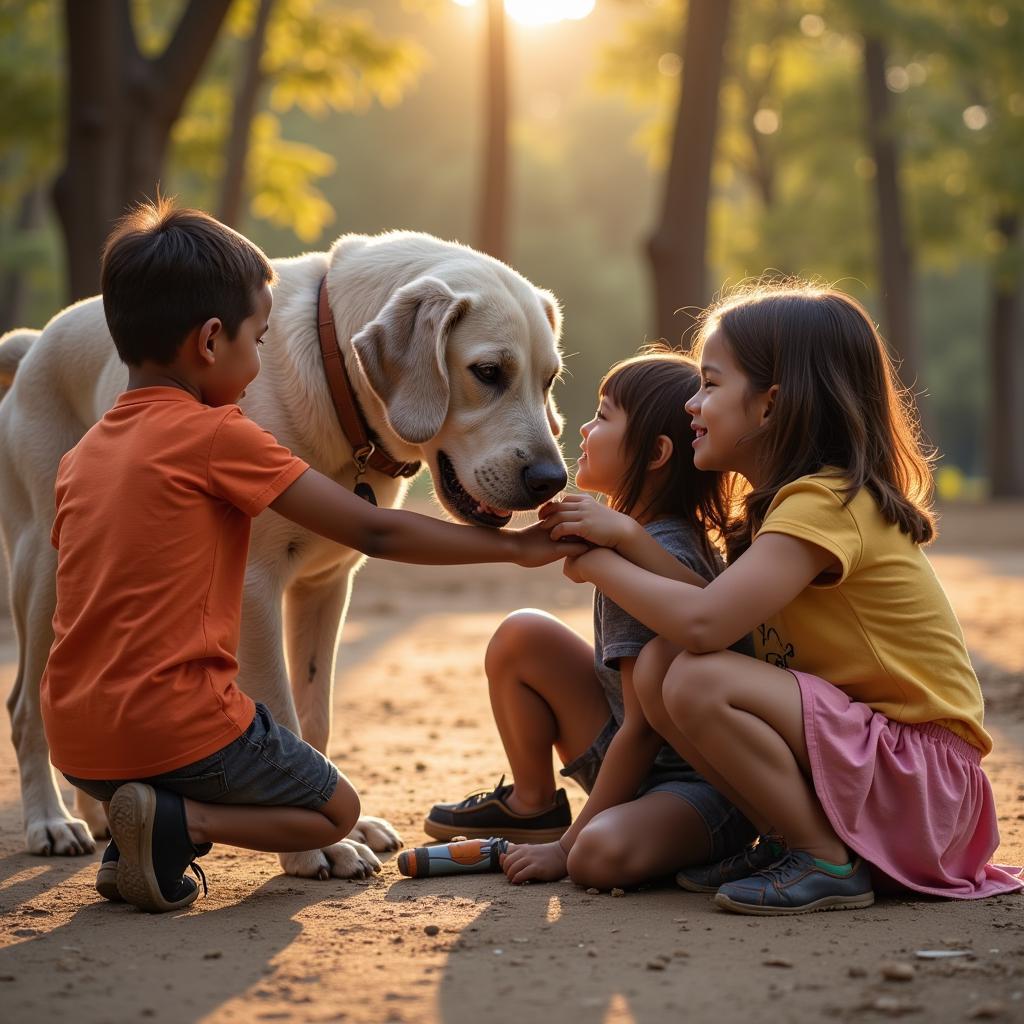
762	581
627	762
579	515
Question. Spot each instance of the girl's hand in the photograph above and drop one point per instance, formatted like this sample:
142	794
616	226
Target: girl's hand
580	515
535	546
544	862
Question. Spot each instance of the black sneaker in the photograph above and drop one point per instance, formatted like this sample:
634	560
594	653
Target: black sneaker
485	814
152	838
763	852
106	875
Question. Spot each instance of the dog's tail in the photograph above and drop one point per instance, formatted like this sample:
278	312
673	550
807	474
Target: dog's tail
13	346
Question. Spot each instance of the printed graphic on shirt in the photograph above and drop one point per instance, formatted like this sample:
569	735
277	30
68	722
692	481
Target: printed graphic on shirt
776	652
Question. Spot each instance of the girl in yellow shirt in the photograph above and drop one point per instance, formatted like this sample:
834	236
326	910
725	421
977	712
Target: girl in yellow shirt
854	743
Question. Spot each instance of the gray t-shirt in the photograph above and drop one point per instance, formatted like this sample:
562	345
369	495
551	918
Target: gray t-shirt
618	635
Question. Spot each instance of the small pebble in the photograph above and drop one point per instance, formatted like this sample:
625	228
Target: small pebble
618	892
214	954
431	929
655	965
593	892
777	961
987	1011
897	971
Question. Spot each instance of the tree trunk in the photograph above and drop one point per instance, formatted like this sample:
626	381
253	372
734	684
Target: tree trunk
121	108
1006	372
492	229
12	283
232	192
677	249
895	259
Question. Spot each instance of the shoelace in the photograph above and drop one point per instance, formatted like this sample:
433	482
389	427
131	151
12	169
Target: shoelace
480	795
200	874
777	871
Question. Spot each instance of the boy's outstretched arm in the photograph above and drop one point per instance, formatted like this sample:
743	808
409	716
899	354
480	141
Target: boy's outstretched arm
319	504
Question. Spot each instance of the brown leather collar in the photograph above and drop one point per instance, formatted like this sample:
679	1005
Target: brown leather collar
350	418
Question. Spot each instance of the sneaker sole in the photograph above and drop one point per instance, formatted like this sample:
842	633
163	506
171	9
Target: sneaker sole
689	886
131	815
106	882
447	833
825	903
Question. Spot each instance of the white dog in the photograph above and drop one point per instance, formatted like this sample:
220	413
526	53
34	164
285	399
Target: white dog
451	356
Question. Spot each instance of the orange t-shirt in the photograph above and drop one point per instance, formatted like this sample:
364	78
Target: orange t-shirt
154	509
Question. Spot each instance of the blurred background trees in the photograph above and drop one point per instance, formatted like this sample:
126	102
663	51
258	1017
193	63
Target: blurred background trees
653	151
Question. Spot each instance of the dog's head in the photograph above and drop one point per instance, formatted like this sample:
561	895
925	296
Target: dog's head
464	373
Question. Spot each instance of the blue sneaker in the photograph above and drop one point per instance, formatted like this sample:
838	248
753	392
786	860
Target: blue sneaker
797	885
761	853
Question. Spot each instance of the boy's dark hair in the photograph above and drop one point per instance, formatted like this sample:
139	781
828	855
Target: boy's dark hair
652	389
167	271
840	403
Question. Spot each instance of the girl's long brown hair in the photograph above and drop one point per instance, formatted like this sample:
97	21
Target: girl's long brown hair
840	403
652	389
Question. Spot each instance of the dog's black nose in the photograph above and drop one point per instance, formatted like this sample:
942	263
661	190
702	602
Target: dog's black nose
544	479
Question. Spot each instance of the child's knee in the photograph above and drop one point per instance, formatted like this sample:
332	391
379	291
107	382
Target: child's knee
600	858
343	808
512	637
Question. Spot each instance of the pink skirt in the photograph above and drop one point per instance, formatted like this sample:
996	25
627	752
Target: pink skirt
912	800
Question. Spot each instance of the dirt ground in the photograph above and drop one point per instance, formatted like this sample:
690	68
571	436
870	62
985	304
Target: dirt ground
411	726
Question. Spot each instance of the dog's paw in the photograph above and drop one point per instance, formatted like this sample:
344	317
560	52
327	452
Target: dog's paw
92	813
308	864
351	859
60	837
377	834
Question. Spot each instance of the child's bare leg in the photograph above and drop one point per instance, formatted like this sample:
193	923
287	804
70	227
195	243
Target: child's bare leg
649	677
745	719
649	837
544	694
275	829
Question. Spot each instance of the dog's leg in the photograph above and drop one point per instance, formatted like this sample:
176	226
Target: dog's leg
263	675
49	826
314	613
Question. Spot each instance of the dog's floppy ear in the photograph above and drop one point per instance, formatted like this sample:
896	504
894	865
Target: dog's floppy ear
551	310
402	354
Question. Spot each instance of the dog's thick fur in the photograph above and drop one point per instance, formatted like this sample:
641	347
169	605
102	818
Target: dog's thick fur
414	316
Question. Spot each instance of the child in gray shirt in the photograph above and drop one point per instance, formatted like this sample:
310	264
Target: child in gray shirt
649	813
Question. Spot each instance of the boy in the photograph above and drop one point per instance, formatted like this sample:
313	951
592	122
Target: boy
154	507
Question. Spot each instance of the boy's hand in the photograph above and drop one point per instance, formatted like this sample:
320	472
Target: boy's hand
580	515
544	862
536	547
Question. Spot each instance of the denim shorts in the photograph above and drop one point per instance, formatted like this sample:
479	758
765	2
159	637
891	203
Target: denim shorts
728	829
267	765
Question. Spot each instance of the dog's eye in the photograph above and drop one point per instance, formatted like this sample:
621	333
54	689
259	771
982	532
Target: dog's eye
487	373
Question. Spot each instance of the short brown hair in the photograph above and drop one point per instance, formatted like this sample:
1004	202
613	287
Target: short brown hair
840	402
167	271
652	389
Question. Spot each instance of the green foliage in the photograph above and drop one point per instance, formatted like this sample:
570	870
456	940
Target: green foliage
317	58
793	180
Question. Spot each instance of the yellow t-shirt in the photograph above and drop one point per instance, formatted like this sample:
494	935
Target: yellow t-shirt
883	631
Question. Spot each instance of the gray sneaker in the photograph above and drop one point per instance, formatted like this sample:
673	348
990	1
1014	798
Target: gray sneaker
761	853
796	885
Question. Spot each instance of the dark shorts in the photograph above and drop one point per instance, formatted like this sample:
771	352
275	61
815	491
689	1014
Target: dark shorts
728	829
267	765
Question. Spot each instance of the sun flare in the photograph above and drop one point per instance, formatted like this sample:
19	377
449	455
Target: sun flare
542	12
